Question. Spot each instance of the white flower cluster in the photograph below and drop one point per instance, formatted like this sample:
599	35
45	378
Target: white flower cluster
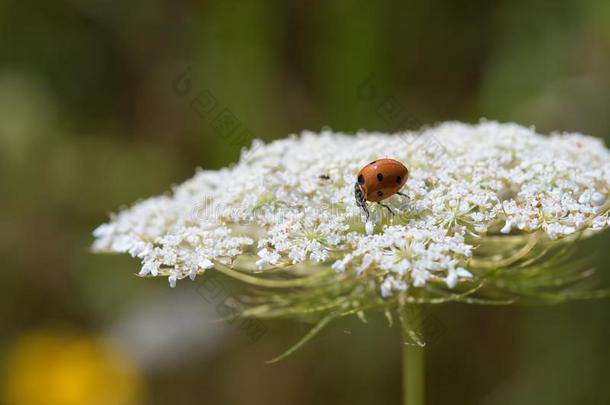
292	201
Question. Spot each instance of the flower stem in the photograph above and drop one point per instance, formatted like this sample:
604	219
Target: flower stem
413	368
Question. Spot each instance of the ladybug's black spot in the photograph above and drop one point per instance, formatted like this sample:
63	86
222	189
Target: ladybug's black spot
361	179
380	176
374	161
398	179
380	193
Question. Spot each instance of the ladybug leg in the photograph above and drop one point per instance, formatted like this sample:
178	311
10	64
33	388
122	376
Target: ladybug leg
402	194
386	207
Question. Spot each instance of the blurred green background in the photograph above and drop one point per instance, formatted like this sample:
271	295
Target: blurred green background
91	119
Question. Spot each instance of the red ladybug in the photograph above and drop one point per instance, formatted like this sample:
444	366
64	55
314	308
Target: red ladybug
379	180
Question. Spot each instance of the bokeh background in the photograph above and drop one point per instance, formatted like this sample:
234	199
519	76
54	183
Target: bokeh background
91	119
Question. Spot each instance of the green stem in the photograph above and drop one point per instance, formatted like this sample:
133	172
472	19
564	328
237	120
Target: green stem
413	366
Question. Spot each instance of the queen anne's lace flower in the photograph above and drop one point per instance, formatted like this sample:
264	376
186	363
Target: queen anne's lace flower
292	202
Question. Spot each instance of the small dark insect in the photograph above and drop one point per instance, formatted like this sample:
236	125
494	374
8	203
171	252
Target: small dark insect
379	180
324	177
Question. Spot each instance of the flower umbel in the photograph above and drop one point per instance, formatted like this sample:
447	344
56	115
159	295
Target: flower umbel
494	220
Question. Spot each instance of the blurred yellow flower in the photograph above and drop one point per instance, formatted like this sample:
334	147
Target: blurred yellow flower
57	367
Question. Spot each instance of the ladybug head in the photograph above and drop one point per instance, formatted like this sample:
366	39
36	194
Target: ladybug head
360	193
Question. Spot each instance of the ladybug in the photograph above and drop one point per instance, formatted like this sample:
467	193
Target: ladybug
379	180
